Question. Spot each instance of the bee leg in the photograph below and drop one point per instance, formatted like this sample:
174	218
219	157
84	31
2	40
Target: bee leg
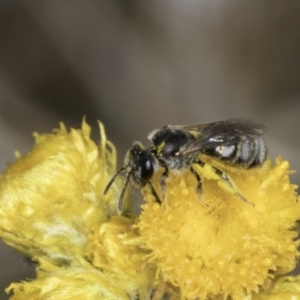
153	191
160	292
163	178
230	183
198	178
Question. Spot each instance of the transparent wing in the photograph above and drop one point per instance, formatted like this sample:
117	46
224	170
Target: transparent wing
220	133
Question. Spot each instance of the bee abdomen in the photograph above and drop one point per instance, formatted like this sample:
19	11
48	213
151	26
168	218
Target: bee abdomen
251	153
248	153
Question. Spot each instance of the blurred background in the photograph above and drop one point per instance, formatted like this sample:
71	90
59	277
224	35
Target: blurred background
138	65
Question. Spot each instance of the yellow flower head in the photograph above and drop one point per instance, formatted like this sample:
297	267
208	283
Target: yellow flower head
50	198
53	209
215	245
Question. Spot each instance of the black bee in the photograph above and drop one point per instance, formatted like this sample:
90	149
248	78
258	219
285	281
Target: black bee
236	142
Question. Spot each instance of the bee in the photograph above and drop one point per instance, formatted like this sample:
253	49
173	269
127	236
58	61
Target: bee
236	142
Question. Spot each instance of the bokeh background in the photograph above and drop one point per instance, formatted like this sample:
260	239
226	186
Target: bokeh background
138	65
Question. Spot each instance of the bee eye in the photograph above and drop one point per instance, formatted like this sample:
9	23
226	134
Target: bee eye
147	170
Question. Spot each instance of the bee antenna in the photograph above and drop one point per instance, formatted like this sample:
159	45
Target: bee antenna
120	204
113	179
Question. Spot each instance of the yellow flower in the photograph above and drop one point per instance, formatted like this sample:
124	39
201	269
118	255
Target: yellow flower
52	208
215	245
50	197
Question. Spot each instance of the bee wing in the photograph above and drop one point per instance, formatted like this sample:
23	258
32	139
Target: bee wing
220	133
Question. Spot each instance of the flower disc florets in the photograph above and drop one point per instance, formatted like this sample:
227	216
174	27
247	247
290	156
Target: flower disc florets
214	244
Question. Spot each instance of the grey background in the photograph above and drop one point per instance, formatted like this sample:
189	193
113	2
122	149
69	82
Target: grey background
138	65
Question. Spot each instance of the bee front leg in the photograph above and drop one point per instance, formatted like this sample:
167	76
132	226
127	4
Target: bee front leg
153	191
163	178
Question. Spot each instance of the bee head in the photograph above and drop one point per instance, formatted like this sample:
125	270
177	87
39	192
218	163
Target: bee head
139	165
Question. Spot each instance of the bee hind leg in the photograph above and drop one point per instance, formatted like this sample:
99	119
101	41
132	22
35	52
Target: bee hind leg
230	184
